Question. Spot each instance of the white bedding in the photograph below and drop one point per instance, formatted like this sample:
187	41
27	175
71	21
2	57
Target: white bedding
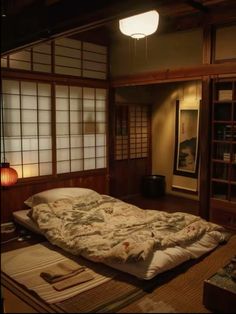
155	263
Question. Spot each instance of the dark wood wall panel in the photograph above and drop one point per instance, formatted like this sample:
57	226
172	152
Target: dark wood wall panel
126	176
13	198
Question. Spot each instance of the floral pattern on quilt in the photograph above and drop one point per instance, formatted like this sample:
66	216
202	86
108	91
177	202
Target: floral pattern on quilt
106	229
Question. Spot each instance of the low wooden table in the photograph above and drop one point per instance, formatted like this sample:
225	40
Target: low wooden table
220	289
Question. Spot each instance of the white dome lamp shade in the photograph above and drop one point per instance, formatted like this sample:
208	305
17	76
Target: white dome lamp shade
140	25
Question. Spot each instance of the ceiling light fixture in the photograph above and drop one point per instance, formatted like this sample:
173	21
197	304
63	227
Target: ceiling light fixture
140	25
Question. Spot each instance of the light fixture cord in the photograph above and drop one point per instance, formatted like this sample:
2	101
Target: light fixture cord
146	49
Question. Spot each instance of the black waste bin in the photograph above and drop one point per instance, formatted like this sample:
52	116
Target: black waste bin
153	185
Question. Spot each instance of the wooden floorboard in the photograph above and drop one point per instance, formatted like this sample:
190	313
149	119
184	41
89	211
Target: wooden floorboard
169	203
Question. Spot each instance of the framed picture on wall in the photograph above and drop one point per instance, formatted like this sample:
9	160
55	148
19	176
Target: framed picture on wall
186	140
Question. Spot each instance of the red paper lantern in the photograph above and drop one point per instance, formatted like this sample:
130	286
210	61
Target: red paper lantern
8	175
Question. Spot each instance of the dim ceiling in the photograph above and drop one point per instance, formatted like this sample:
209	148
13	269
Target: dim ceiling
29	21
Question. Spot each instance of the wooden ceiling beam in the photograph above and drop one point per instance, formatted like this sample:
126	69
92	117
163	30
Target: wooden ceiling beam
197	5
170	75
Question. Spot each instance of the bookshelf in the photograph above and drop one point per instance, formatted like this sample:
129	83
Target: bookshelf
223	153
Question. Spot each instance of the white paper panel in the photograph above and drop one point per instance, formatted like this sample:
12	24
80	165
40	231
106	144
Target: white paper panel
29	115
62	116
76	104
62	104
62	129
1	151
94	48
76	141
100	117
89	140
42	68
44	116
63	166
62	142
89	164
45	129
10	87
89	105
75	116
28	88
63	154
89	116
89	128
101	94
3	62
89	152
68	42
62	91
77	153
14	158
76	165
45	169
44	48
45	143
90	65
100	162
11	101
44	89
45	155
87	55
76	128
12	130
12	144
68	62
22	55
44	103
29	129
11	115
100	128
101	139
89	93
100	151
30	157
41	58
75	92
29	102
93	74
67	71
30	170
29	144
69	52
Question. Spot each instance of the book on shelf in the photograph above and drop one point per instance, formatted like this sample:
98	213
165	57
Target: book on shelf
226	156
230	132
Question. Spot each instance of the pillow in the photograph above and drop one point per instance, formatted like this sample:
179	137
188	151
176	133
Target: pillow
56	194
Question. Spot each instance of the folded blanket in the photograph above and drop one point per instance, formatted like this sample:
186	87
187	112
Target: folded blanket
61	271
73	281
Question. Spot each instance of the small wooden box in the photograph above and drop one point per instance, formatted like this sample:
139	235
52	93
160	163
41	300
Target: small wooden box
219	291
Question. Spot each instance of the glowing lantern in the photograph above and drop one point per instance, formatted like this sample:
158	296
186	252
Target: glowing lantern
140	25
8	175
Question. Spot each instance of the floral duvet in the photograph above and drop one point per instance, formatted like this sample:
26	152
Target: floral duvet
105	229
